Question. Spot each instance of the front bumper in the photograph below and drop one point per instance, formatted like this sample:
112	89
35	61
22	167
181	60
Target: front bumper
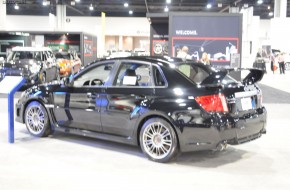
227	129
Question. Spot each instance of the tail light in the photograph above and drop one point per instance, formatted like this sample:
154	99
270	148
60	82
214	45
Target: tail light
213	103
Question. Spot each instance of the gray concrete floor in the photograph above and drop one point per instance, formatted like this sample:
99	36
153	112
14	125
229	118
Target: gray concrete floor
72	162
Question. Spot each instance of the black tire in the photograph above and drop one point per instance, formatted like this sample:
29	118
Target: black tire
36	120
158	140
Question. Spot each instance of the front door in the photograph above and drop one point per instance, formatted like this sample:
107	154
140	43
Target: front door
79	106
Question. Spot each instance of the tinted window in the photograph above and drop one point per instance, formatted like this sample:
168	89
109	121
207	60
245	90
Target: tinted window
95	76
133	74
193	72
158	78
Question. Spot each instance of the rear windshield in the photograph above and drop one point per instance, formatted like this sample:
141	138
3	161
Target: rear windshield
198	73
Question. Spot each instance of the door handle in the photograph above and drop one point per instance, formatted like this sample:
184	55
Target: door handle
92	95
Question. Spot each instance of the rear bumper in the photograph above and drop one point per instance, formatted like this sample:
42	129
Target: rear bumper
226	129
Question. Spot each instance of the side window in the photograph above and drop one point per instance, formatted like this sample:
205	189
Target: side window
96	76
193	72
133	74
158	78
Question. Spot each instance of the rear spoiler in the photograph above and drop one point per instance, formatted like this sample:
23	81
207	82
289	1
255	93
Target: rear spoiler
255	75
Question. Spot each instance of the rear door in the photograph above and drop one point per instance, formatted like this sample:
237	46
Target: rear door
122	101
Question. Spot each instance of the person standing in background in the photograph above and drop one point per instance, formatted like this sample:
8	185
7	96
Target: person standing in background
281	63
205	59
183	54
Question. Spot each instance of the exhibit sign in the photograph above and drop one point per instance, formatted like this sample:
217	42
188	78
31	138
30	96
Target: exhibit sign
219	35
159	39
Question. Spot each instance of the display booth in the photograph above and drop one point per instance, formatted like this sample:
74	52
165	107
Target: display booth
85	45
219	35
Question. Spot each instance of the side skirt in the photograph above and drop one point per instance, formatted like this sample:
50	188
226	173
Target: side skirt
86	133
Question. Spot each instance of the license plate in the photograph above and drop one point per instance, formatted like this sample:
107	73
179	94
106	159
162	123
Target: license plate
246	103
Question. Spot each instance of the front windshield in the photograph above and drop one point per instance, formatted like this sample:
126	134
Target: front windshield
20	55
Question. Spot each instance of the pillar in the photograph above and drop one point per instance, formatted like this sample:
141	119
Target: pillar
2	16
61	17
280	9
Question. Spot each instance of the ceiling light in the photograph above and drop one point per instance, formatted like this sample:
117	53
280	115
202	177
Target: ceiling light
208	6
44	3
72	3
126	4
269	7
260	2
220	5
16	6
130	12
271	13
91	7
166	9
77	1
168	1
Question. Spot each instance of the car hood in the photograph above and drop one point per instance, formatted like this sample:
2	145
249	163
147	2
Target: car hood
24	63
254	76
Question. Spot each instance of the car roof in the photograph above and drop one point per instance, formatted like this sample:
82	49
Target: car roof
18	48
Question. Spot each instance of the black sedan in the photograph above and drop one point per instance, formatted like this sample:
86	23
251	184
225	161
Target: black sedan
161	104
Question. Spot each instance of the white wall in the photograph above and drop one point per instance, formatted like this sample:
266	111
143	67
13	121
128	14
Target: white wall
279	34
28	23
115	26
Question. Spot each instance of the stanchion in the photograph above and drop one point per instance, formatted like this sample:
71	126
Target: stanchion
9	85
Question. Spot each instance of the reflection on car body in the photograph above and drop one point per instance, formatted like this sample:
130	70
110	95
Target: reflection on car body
161	105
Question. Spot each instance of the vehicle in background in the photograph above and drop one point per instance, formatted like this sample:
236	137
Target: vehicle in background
163	105
140	52
68	62
36	64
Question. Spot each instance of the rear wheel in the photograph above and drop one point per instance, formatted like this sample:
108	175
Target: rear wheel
36	120
158	140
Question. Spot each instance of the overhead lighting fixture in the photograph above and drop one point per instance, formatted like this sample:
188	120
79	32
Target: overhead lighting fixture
77	1
208	6
130	12
220	5
168	1
271	13
16	6
44	3
166	9
126	4
72	3
260	2
91	7
269	7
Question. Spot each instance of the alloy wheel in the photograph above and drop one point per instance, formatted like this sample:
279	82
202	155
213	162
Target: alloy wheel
157	140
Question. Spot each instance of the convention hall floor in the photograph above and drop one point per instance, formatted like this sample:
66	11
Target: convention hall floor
73	162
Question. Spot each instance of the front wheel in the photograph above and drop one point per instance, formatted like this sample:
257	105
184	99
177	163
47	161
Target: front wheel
158	140
36	120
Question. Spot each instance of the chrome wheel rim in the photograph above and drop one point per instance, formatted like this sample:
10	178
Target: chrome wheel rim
157	140
35	119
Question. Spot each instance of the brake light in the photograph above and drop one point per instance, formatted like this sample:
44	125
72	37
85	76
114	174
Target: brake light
213	103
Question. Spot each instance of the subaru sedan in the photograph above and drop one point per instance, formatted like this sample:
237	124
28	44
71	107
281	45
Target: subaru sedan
163	105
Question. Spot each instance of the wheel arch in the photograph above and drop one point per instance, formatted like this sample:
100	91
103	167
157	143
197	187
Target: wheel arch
32	100
156	115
